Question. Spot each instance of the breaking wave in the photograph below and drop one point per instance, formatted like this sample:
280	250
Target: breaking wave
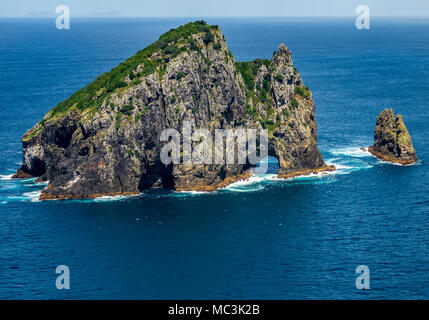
346	160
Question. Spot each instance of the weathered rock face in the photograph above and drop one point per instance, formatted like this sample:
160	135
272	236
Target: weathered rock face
105	139
392	142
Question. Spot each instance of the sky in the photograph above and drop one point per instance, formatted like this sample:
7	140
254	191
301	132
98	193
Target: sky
212	8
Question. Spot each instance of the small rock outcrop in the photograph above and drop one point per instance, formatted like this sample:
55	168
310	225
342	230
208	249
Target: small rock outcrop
105	138
392	142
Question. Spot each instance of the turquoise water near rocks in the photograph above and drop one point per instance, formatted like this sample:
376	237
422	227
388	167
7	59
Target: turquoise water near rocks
262	238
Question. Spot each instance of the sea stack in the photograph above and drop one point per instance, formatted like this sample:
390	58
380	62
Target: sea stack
106	138
392	142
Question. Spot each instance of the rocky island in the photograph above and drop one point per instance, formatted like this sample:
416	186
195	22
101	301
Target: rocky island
105	138
392	142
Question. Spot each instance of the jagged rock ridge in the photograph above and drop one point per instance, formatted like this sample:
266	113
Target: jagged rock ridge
392	142
105	139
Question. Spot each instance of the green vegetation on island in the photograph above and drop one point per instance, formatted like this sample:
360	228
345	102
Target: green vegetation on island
170	44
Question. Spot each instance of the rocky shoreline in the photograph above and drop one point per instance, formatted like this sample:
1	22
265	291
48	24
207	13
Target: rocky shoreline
202	188
327	168
47	196
389	158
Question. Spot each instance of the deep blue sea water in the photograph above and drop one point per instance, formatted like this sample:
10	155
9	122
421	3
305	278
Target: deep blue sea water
264	239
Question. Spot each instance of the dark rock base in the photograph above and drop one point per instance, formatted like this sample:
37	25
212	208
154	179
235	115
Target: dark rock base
388	158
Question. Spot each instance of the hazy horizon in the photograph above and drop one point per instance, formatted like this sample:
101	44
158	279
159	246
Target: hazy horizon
220	8
100	15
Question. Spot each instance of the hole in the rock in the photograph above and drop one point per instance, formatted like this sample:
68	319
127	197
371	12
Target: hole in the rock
38	167
267	165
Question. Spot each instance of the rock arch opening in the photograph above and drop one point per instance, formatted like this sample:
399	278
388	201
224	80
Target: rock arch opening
267	165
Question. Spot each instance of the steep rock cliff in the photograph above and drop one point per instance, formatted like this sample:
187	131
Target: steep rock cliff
105	139
392	142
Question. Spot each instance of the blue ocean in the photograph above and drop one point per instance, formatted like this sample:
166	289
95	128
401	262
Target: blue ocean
259	239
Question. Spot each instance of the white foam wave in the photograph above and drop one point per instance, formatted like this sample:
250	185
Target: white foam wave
6	176
348	166
256	187
355	152
252	183
419	162
113	198
253	179
313	175
191	193
9	186
338	166
346	160
34	184
398	164
33	196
